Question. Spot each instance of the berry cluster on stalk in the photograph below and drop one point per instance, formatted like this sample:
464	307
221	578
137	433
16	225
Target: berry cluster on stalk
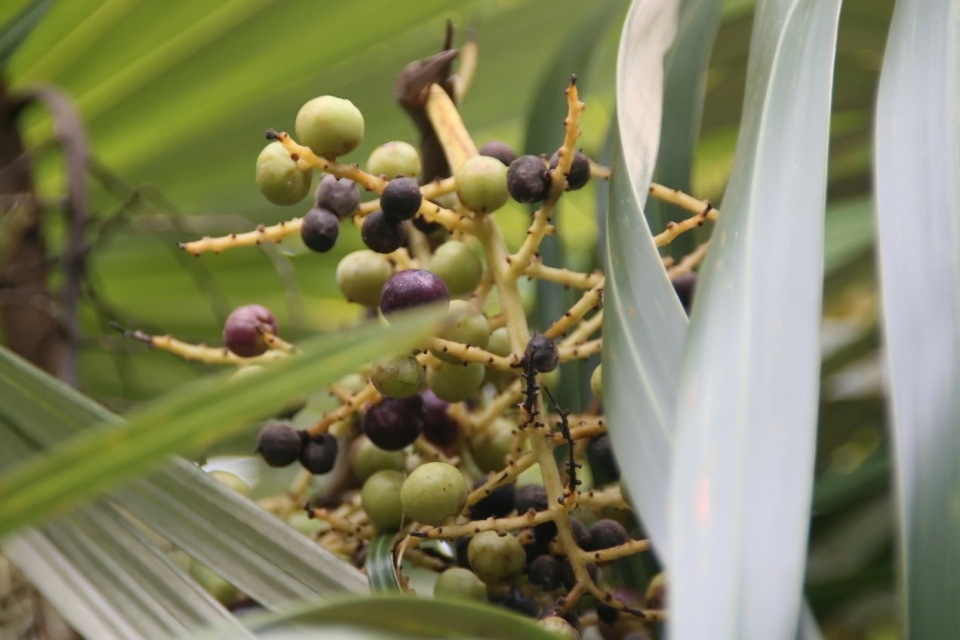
450	449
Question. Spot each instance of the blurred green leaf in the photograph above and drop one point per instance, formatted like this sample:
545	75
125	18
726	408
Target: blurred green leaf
393	616
917	179
16	29
746	417
644	325
685	70
847	232
189	420
380	571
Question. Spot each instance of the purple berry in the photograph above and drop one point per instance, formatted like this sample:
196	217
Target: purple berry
279	445
401	199
382	234
319	454
438	427
499	150
685	285
528	180
607	533
394	423
243	330
319	230
497	504
542	354
579	171
338	195
412	288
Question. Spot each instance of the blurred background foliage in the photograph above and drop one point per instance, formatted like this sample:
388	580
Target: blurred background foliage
176	97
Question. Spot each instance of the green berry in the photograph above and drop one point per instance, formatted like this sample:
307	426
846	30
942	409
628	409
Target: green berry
490	446
596	383
482	184
368	459
461	584
353	382
467	326
455	382
279	178
394	159
433	492
380	499
220	589
306	525
399	377
458	265
361	276
559	627
330	126
499	344
496	559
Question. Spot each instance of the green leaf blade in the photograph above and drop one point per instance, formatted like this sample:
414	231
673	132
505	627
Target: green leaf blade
746	416
917	178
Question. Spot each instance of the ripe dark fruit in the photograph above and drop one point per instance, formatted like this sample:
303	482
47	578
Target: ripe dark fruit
579	171
401	199
499	150
601	452
496	559
279	445
605	534
319	230
243	330
412	288
337	195
531	496
382	234
319	453
544	572
394	423
685	285
528	180
438	427
521	604
580	534
606	613
425	226
568	577
496	505
542	354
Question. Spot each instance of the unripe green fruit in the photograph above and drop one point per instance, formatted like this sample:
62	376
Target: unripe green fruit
380	499
549	380
279	178
433	492
330	126
499	344
399	377
246	372
496	559
482	184
220	589
492	445
368	459
306	525
455	382
596	383
394	159
352	382
560	627
458	265
459	583
361	276
467	326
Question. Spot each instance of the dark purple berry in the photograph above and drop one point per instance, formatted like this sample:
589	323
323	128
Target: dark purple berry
579	171
279	445
499	150
531	496
528	180
580	534
601	450
338	195
544	572
425	226
568	577
685	285
320	230
319	453
401	199
497	504
243	330
542	354
520	604
412	288
461	546
438	427
608	614
394	423
605	534
381	234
